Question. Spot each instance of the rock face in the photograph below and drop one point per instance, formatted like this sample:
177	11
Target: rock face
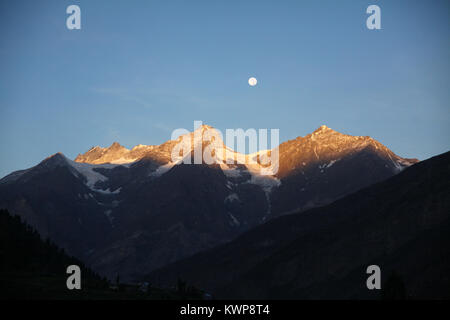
115	154
130	211
326	165
401	225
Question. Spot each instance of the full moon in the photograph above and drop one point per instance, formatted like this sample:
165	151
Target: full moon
252	81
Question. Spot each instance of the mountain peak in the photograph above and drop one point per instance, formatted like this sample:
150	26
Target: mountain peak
115	145
57	156
202	128
57	159
323	129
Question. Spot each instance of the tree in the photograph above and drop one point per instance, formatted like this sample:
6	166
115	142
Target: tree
394	288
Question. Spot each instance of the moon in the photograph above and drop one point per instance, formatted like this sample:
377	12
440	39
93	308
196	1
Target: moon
252	81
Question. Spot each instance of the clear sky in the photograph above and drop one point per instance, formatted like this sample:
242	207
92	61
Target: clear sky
139	69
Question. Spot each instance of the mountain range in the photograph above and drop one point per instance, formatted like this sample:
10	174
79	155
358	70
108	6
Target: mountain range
129	212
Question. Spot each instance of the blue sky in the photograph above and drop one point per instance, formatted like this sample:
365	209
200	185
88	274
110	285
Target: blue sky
139	69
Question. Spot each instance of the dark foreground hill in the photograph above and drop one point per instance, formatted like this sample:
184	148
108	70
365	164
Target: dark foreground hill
31	268
401	225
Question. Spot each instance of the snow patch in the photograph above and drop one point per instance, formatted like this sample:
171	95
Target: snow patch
87	170
162	169
107	191
267	183
230	172
232	197
331	163
327	165
124	161
234	220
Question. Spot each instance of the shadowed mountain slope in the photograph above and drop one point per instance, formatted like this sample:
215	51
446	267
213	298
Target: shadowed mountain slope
401	224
